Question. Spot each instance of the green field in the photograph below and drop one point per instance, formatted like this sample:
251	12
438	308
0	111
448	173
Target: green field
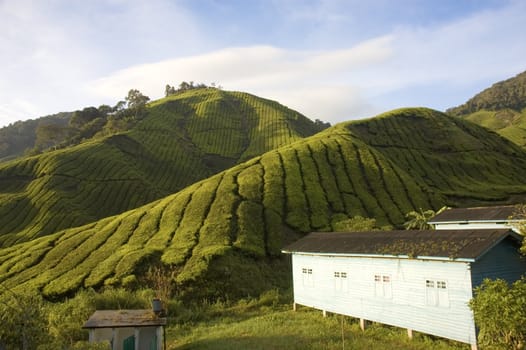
259	324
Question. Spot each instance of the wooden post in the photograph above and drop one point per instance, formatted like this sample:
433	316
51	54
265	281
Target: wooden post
363	324
474	346
410	333
324	313
294	308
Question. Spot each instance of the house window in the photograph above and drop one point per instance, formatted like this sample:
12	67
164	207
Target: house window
340	281
382	286
437	293
308	280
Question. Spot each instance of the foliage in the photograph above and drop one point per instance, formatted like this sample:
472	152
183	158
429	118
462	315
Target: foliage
418	220
50	135
23	320
500	313
501	108
355	224
20	136
520	214
510	93
28	322
161	279
184	86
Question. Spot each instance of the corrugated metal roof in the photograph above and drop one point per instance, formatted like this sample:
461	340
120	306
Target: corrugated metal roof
443	244
124	318
496	213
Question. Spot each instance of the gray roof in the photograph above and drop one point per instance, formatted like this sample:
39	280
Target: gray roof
124	318
494	214
438	244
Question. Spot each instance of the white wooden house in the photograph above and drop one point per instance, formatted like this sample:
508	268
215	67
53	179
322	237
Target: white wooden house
127	329
476	218
419	280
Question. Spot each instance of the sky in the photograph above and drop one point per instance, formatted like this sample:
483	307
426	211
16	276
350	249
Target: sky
333	60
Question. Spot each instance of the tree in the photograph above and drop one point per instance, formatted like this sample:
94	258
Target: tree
185	86
105	110
169	90
418	219
119	106
50	135
23	320
137	102
83	117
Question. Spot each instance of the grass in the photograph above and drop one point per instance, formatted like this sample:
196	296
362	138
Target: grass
271	324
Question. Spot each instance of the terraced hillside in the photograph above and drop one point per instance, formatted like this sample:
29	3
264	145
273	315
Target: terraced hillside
457	159
184	138
223	235
501	108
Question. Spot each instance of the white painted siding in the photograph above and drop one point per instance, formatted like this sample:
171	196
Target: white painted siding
398	296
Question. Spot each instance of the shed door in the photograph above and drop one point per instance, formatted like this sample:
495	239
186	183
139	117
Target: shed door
129	343
153	343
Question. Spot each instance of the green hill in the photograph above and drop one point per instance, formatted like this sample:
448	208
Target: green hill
20	136
501	108
184	138
222	236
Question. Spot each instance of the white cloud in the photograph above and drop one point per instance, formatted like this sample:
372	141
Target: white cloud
58	57
303	80
50	49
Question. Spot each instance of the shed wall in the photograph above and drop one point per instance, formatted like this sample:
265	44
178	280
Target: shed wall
405	301
503	261
472	225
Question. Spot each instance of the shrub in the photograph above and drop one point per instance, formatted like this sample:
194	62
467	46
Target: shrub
23	321
500	313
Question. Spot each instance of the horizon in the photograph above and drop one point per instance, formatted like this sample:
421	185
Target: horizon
329	60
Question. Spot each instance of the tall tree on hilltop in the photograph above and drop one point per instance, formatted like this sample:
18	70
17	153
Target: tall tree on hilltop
169	90
136	102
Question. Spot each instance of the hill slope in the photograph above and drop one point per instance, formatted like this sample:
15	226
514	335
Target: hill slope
20	136
501	108
184	138
219	233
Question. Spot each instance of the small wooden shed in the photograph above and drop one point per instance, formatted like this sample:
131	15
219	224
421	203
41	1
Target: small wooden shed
476	218
419	280
127	329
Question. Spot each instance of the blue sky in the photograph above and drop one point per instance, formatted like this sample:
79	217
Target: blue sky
331	60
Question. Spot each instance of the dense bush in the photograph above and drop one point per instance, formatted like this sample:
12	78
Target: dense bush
29	322
500	313
23	323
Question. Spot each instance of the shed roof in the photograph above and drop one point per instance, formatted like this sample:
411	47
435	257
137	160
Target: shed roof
436	244
480	214
124	318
